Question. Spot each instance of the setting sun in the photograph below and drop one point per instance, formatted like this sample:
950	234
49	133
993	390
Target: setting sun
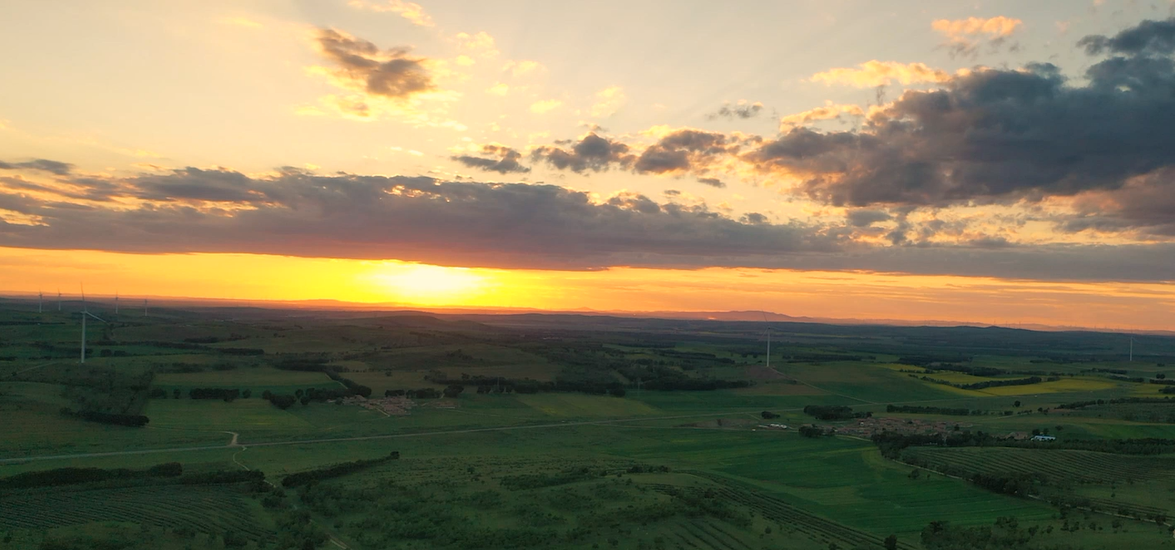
429	284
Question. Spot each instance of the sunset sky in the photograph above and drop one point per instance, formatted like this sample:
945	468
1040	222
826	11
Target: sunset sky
990	161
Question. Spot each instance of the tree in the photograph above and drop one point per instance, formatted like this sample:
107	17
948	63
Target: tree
1160	376
247	394
891	542
175	393
1016	404
297	393
305	400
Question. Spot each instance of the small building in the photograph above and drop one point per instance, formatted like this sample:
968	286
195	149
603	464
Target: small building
1044	438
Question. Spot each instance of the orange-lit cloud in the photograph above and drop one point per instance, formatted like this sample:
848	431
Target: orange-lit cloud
994	27
871	74
608	101
964	36
545	106
408	10
829	111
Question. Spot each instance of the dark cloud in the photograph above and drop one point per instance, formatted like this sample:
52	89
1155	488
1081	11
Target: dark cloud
993	135
1145	205
593	153
712	182
684	151
1148	38
389	73
866	218
741	110
505	163
43	165
419	219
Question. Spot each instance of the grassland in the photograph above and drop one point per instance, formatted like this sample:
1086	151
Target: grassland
570	468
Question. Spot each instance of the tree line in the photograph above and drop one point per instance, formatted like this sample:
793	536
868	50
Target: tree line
304	478
834	412
169	472
914	409
117	419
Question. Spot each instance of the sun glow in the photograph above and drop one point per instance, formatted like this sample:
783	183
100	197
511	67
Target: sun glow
430	284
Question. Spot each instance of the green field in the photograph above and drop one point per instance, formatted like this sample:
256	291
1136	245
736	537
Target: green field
640	434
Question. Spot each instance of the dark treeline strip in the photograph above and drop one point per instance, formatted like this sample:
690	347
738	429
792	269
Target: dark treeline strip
214	393
973	371
892	444
318	364
1082	404
834	412
913	409
307	477
823	357
1001	383
491	384
191	347
73	476
282	402
130	420
223	477
933	361
357	389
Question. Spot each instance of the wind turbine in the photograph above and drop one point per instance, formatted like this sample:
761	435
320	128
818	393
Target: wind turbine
768	340
116	302
86	313
144	307
40	301
58	298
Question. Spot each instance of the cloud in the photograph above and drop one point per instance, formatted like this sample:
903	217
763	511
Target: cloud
522	67
742	109
964	36
608	101
362	65
712	182
829	111
592	152
421	219
1148	38
992	135
43	165
866	218
545	106
685	150
1145	204
408	10
872	74
506	160
480	44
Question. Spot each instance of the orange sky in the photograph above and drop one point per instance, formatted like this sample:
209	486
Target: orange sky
996	162
825	294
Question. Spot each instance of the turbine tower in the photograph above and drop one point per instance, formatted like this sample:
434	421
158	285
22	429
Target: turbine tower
116	302
40	301
144	307
85	314
768	323
1131	349
58	298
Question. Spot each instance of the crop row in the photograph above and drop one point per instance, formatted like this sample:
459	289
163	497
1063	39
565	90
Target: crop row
710	536
810	525
209	510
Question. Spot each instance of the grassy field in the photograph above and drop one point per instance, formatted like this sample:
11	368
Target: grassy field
686	469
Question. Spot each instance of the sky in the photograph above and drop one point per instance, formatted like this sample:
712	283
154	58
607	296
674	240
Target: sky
991	161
